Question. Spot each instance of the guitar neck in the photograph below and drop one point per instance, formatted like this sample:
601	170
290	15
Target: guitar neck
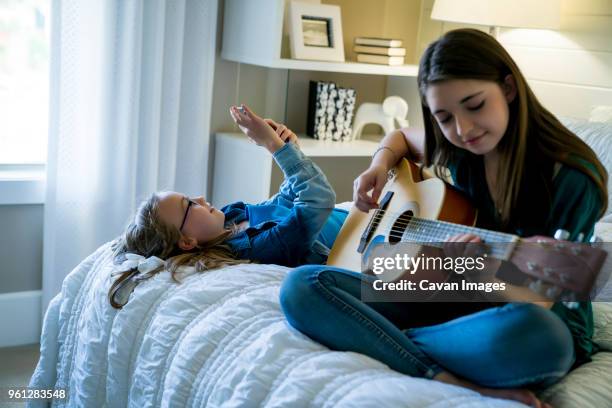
437	232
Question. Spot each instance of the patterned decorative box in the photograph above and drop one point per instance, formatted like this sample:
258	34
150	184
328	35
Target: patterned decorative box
330	111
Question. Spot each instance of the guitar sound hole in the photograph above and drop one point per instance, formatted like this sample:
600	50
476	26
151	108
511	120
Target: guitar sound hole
399	226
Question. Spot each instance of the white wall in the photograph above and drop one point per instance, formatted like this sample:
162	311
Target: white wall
21	228
569	69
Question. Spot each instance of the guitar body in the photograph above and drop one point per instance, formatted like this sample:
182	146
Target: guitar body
427	210
429	198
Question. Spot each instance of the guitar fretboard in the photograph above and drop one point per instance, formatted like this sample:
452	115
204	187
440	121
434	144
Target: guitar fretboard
408	228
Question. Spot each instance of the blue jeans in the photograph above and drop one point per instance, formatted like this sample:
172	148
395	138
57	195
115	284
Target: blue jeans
494	345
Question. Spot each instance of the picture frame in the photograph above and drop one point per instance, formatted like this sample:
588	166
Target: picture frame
315	31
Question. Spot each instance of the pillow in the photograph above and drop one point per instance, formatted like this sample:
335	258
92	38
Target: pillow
602	313
603	229
598	135
601	114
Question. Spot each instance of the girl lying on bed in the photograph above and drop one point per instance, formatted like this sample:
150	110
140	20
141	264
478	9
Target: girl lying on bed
292	228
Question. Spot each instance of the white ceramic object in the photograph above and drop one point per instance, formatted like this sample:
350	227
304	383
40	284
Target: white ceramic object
389	115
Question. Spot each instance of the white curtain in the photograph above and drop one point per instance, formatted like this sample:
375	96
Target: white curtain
131	93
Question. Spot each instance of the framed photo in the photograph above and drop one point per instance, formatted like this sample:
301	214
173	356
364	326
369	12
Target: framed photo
315	31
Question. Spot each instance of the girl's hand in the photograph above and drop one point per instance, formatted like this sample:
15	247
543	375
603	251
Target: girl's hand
286	134
374	179
463	245
256	128
464	238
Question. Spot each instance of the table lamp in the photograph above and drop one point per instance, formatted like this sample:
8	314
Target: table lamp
500	13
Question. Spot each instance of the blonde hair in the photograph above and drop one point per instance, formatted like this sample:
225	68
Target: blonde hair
147	235
533	132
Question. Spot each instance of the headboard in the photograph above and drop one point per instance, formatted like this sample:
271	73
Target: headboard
569	69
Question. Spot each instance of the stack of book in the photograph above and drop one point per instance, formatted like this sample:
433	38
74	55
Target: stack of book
375	50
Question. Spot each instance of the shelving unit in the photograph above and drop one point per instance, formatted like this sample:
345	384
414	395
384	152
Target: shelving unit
263	43
348	67
249	173
319	148
254	34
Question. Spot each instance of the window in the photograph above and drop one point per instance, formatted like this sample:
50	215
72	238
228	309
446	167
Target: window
24	80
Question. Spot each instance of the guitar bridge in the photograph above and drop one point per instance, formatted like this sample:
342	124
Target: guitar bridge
373	224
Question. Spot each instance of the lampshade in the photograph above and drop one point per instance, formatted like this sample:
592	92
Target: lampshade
500	13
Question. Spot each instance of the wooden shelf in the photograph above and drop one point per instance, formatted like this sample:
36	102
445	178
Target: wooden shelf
326	66
246	172
261	43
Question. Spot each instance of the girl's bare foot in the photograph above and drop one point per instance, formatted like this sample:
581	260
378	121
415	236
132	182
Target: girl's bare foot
516	394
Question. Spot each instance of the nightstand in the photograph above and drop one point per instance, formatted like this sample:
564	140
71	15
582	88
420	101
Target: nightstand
246	172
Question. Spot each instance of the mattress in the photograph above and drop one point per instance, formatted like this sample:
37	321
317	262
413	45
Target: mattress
220	339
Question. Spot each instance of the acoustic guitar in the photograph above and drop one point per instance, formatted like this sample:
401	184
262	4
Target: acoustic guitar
428	211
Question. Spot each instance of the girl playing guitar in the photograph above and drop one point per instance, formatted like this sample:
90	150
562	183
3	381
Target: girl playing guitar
526	174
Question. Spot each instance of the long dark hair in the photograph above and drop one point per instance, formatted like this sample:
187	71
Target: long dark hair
533	135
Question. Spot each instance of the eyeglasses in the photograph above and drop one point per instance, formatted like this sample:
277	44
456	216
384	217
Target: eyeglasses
189	204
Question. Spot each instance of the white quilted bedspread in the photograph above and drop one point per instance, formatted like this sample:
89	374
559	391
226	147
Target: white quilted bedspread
220	339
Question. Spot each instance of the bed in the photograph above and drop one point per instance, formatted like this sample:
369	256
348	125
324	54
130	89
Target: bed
220	339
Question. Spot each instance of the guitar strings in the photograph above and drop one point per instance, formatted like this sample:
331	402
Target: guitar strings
426	229
493	250
436	229
444	226
417	220
440	242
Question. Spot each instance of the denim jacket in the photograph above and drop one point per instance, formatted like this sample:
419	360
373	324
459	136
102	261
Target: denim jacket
284	230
